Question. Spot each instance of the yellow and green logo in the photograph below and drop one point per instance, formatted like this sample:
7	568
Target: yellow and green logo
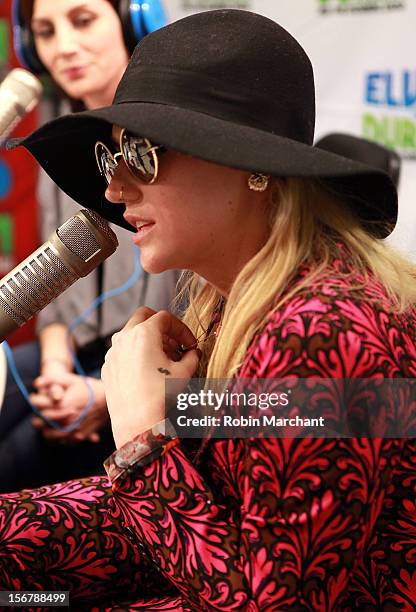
349	6
390	118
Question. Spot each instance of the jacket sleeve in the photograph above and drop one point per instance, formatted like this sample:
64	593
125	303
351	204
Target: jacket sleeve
303	508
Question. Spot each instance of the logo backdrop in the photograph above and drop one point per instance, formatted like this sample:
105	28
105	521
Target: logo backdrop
364	58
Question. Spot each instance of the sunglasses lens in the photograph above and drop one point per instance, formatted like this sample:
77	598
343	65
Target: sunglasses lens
105	162
140	156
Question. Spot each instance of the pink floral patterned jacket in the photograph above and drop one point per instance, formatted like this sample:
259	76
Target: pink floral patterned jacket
258	524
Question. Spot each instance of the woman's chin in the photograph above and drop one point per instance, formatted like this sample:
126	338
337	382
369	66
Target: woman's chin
155	265
77	89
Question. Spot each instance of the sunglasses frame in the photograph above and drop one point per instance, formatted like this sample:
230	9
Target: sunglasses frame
151	149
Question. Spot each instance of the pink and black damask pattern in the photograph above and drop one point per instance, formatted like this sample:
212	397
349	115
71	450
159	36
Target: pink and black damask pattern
261	524
68	536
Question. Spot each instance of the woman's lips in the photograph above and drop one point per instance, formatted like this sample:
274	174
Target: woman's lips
135	221
142	230
76	72
142	226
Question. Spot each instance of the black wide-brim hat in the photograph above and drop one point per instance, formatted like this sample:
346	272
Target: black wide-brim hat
226	86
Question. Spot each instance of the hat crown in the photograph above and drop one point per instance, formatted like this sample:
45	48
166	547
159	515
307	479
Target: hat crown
229	87
231	64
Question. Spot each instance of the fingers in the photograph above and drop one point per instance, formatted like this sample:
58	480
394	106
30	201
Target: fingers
140	316
167	331
53	386
63	416
60	414
166	323
190	361
38	423
56	392
41	401
169	325
76	436
86	434
54	434
94	437
171	348
64	380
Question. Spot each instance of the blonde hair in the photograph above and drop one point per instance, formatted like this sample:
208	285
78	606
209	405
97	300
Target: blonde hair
307	223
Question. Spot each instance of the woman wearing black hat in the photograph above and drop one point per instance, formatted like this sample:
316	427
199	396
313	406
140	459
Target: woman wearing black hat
211	153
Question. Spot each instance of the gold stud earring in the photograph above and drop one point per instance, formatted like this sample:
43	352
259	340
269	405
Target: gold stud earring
258	181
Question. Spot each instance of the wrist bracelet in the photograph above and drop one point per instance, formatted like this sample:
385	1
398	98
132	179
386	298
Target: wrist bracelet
142	450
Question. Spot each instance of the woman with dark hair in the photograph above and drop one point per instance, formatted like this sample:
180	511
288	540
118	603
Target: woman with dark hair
69	41
213	155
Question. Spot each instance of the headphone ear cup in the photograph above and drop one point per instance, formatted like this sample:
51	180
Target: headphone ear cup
140	17
23	42
153	15
129	12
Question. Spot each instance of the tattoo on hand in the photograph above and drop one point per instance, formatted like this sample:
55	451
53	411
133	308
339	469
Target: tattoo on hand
164	371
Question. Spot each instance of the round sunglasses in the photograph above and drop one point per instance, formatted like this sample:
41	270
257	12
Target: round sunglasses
139	155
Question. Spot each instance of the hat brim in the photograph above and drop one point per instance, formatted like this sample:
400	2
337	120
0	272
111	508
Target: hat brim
64	147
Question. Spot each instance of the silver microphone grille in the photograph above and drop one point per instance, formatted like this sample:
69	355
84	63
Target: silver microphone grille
76	236
77	247
42	279
102	225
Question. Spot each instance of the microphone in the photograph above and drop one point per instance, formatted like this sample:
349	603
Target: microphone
77	247
19	93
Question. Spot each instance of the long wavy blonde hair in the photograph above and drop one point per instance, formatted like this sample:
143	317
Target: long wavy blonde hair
307	223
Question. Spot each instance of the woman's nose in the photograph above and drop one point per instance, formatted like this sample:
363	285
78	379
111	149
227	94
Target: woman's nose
66	40
123	187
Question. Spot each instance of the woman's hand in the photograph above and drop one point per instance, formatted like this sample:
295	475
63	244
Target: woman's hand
56	358
54	368
142	355
69	407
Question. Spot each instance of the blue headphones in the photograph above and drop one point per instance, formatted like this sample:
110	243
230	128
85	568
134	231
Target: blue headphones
138	18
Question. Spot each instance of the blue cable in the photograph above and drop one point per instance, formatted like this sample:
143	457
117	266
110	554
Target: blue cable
131	281
23	389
